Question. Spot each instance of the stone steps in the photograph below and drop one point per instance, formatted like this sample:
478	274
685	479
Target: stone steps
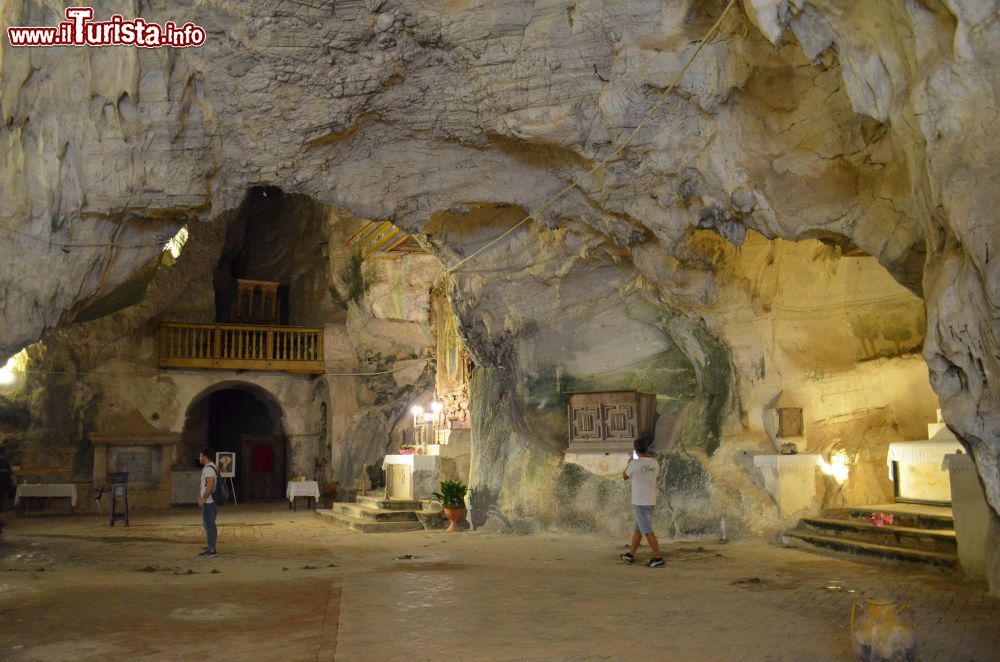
376	514
368	524
922	534
365	512
382	503
873	549
936	540
920	517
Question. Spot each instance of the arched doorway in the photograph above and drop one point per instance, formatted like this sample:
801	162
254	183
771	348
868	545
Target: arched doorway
243	419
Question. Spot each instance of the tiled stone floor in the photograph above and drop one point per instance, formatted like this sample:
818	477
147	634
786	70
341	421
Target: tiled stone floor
290	586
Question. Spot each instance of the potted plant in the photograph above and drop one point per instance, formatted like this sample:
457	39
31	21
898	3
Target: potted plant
452	497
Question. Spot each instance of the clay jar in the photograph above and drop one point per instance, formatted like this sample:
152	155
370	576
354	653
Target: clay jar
883	631
454	515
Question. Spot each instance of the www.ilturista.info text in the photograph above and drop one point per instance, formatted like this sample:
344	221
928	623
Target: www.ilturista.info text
79	30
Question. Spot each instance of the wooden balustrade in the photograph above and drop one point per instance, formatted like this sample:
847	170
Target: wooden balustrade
241	347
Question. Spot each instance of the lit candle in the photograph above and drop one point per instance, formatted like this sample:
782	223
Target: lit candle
417	412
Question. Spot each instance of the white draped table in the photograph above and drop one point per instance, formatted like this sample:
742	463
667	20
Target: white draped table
50	491
305	488
921	451
916	471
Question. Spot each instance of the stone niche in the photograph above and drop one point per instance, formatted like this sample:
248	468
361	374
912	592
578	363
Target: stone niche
143	451
784	424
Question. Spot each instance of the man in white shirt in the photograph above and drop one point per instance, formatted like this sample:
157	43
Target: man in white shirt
209	477
643	472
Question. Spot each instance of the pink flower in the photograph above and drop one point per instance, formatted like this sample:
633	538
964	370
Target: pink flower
881	519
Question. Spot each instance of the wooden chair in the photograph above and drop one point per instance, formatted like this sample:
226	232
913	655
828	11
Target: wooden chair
95	494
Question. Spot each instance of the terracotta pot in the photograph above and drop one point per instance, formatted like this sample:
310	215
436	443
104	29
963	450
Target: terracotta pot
454	515
883	631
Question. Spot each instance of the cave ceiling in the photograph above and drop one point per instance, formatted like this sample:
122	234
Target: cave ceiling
865	125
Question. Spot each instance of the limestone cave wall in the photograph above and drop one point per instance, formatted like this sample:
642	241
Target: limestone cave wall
92	377
864	126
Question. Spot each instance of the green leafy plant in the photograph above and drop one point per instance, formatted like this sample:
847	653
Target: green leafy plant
452	494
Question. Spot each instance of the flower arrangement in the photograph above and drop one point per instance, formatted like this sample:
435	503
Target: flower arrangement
879	520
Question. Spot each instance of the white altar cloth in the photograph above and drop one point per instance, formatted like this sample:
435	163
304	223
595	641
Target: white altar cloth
305	488
415	462
50	490
921	451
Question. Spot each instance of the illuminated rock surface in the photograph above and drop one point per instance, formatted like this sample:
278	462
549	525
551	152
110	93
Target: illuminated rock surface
854	126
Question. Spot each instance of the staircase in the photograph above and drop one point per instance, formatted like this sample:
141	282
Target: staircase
374	514
923	534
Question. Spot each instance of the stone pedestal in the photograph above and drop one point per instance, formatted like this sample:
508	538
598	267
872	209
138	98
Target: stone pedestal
456	456
790	480
976	526
411	477
600	464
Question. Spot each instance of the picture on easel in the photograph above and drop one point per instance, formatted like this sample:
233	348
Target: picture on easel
226	462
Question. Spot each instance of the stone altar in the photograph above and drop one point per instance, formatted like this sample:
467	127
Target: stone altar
411	477
790	480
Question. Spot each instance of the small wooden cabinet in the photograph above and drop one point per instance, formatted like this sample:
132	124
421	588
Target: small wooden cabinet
789	421
610	421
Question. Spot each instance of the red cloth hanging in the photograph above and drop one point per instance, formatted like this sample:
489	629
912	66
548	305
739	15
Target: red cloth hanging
262	457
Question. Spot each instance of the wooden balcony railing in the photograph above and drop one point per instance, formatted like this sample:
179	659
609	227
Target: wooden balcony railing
241	347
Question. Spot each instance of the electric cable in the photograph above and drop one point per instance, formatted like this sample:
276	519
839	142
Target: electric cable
67	246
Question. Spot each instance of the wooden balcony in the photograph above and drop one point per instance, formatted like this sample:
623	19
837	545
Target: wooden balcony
241	347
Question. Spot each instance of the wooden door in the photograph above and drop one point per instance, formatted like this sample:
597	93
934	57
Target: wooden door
264	475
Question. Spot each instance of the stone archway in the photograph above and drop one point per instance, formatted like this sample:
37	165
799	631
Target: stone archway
244	419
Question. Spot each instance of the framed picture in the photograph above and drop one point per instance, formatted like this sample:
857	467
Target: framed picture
227	464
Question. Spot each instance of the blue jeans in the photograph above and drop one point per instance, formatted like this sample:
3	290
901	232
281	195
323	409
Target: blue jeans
208	513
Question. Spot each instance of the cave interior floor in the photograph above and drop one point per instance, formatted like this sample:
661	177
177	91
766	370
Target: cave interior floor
289	585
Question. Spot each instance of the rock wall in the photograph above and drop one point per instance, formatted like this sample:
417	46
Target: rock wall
861	124
91	377
836	333
842	341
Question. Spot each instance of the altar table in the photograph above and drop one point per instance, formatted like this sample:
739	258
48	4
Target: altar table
305	488
47	492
